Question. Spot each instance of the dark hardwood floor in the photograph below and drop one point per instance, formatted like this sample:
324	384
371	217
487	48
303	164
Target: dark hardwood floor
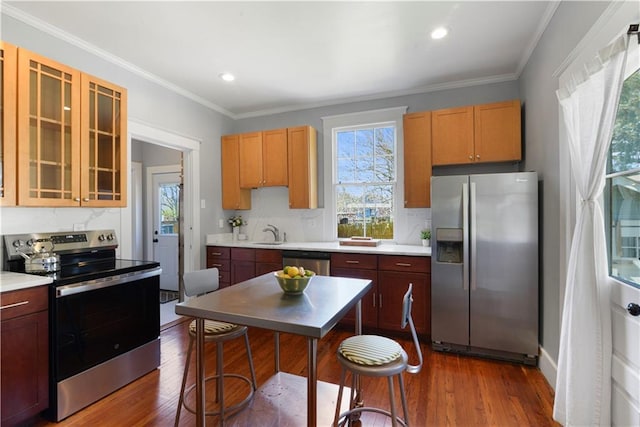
450	390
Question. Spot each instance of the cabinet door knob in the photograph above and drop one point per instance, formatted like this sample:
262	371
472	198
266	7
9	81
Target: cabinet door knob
470	157
477	156
633	309
76	199
86	199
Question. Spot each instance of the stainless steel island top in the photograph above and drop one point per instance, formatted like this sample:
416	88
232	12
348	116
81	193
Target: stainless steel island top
260	302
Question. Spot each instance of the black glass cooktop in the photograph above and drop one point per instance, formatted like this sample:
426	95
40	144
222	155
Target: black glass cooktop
80	273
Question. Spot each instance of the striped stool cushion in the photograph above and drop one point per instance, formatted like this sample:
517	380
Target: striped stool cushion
211	327
370	350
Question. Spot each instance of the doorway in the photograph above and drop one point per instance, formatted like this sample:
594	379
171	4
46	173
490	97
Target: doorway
165	213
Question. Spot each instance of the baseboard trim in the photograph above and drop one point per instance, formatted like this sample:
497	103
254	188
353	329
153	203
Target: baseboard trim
548	367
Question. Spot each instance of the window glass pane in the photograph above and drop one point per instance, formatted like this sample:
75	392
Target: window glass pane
346	144
169	208
622	190
625	142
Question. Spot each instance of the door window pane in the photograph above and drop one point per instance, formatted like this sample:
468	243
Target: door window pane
169	208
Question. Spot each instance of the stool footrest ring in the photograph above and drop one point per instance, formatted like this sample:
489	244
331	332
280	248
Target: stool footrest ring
347	414
229	410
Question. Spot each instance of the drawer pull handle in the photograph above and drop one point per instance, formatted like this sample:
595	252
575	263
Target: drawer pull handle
403	264
216	265
350	261
216	253
17	304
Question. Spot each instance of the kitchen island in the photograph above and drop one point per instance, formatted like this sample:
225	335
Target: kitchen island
260	302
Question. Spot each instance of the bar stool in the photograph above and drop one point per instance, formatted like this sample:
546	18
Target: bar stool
198	283
376	356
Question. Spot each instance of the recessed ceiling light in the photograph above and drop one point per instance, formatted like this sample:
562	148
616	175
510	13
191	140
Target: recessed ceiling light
227	77
439	33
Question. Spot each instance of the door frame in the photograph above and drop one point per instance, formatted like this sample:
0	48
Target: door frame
150	205
190	148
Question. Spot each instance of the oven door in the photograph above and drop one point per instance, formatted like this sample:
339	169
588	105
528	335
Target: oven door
97	320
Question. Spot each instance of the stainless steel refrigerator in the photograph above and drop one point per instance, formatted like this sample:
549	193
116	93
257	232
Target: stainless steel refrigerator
484	265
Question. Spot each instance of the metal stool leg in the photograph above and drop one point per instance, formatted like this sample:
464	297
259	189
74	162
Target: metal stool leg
339	402
404	400
250	357
220	382
394	418
184	382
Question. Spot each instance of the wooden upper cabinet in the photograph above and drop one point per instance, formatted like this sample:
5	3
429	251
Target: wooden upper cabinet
233	197
48	131
250	159
263	159
452	136
303	167
274	158
417	160
477	134
72	129
497	132
8	119
104	138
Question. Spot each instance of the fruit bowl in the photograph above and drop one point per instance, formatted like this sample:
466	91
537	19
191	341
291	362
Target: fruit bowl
293	285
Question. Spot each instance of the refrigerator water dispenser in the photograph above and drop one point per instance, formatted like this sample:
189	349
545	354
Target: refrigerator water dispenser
450	245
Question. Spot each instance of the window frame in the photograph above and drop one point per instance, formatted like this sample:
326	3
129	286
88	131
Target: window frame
385	115
393	182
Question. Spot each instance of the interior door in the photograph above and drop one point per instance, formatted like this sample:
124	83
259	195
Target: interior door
166	197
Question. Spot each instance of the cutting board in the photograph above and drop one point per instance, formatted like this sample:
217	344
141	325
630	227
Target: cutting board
359	242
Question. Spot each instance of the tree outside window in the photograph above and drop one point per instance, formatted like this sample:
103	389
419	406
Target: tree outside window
622	191
365	181
169	208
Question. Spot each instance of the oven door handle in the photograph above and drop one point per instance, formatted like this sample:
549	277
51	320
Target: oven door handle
105	282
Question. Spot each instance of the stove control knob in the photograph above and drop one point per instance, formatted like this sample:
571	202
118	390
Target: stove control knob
101	237
110	236
30	242
18	243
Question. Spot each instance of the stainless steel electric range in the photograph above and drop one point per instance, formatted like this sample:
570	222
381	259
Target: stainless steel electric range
104	313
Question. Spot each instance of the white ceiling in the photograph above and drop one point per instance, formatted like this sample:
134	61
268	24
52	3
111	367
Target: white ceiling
294	55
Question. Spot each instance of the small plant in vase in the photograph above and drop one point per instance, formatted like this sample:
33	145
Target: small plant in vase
425	235
236	222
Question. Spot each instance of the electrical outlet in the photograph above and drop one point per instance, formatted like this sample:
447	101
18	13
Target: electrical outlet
221	223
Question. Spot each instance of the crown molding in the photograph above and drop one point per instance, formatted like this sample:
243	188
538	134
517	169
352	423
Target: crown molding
103	54
542	26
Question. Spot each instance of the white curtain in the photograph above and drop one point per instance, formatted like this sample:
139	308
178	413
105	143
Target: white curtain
589	104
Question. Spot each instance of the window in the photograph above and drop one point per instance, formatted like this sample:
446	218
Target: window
622	191
365	180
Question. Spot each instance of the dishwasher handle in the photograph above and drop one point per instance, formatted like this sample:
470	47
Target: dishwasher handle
306	255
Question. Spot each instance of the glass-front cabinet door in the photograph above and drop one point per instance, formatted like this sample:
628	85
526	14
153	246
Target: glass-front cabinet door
8	105
48	132
104	138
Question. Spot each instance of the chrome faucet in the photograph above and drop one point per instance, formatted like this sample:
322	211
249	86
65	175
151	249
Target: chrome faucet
274	230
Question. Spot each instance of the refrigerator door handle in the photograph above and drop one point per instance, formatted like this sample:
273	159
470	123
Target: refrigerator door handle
472	233
465	236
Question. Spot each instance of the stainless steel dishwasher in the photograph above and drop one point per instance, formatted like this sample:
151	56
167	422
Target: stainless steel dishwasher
318	262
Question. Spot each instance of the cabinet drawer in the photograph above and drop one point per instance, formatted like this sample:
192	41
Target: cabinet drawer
361	261
218	252
221	264
269	255
418	264
242	254
24	301
224	278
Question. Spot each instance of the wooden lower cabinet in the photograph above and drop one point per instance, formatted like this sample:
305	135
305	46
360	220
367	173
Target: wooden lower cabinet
394	275
391	275
243	264
24	355
220	257
268	260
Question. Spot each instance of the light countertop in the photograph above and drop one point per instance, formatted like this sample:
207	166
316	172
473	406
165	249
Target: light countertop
382	249
10	281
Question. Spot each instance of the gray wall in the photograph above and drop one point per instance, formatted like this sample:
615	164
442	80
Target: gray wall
570	23
148	103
